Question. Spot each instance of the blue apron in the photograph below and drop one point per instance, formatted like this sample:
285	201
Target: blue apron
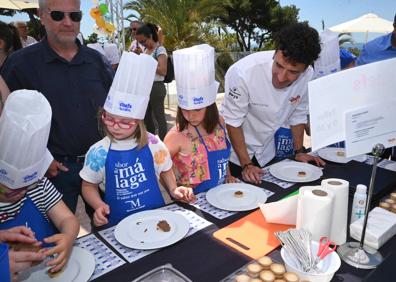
284	147
30	214
131	183
218	162
4	263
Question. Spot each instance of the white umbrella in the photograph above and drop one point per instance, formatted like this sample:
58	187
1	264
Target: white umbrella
18	4
366	23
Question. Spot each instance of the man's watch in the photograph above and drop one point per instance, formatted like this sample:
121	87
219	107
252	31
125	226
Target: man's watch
299	151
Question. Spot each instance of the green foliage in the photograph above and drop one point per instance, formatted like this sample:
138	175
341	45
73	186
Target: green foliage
93	38
184	22
255	21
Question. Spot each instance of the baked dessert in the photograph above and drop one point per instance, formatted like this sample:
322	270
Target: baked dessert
254	269
242	278
163	225
301	173
267	276
55	274
238	194
340	154
384	205
393	196
390	201
279	280
278	269
291	277
255	280
265	262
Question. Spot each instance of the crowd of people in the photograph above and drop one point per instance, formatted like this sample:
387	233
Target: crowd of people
73	126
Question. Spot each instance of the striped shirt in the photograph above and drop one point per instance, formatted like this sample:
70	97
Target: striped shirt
44	197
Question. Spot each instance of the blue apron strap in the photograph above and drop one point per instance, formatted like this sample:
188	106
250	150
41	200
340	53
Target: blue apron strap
200	138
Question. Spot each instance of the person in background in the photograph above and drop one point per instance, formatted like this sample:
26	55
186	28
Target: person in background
135	47
198	142
148	37
128	163
23	33
380	48
9	41
348	60
109	50
17	260
265	90
26	196
75	80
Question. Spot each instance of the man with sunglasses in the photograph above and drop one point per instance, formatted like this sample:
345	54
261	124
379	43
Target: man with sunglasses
135	47
75	80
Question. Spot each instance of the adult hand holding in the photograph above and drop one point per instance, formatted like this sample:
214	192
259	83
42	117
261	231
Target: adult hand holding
252	173
305	158
54	168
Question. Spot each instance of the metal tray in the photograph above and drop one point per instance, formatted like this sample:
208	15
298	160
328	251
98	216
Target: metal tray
163	273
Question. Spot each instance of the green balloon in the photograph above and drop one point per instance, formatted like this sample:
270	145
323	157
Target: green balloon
103	9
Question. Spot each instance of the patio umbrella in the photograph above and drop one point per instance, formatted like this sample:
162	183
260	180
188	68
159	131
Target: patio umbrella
366	23
18	4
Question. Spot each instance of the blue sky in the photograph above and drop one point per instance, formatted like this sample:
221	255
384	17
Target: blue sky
331	11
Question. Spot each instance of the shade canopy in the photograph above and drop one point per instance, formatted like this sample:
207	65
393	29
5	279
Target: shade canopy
366	23
18	4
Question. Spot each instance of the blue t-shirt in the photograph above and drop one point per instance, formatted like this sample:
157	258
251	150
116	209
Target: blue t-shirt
377	50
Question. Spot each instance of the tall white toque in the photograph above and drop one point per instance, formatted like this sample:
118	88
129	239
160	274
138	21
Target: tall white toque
195	76
24	130
130	92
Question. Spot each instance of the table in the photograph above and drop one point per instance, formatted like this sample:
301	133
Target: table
202	258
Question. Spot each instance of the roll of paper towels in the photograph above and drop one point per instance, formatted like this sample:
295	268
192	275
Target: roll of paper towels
314	211
340	189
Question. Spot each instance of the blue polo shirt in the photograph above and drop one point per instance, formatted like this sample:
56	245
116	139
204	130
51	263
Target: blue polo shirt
75	91
376	50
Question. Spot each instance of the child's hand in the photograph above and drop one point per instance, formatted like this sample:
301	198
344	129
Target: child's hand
63	246
100	215
184	194
231	179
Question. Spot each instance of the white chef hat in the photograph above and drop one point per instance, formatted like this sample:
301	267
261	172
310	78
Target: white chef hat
24	129
195	76
130	92
329	57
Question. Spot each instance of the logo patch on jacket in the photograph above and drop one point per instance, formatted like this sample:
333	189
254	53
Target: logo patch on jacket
294	100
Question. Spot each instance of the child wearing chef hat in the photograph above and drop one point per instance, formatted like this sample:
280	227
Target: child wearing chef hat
127	164
26	196
198	143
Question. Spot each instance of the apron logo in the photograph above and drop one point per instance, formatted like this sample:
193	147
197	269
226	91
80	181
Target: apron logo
222	169
129	176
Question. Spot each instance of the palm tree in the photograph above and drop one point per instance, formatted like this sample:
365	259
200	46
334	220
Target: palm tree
184	22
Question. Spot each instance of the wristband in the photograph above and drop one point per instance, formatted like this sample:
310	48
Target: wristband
299	151
246	165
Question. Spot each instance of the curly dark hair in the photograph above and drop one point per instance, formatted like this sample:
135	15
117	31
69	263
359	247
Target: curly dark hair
299	43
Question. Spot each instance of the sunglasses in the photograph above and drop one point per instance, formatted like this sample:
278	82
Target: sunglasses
59	15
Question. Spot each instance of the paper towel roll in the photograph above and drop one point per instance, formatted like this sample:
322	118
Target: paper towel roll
340	188
314	211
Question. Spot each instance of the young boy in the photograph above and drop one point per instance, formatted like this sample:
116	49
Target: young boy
26	196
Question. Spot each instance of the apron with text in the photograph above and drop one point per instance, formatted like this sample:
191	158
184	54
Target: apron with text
218	162
30	216
131	183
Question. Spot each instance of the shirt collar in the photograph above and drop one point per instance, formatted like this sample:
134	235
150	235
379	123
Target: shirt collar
50	55
388	42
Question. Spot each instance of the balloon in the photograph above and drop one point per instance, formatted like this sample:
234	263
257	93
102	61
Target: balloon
103	9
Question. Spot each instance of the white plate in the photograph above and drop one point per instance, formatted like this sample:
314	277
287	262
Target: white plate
223	197
139	230
337	155
79	268
391	166
289	171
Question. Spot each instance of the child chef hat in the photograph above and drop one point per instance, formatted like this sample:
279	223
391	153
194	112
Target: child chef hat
130	92
24	129
195	77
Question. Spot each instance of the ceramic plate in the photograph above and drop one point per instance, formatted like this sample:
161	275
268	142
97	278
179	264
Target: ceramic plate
236	197
391	166
141	231
337	155
79	268
293	171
